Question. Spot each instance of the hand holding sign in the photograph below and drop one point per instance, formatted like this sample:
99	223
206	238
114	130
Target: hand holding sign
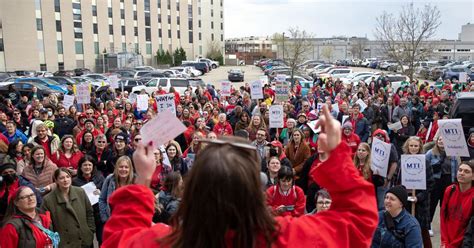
330	135
144	161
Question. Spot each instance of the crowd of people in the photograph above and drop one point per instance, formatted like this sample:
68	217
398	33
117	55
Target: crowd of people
49	153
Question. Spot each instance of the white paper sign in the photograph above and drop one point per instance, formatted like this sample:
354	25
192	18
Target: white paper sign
414	171
462	77
165	103
429	131
256	91
276	116
281	91
335	107
225	88
161	129
83	94
380	155
344	118
91	190
361	104
264	80
132	97
114	81
166	161
453	137
281	78
68	101
312	125
395	126
142	102
319	107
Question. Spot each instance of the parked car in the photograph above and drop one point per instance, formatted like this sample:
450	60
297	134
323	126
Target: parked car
125	73
453	72
25	73
189	70
144	68
214	64
99	77
336	72
127	84
63	80
43	74
45	82
26	87
463	108
64	73
195	82
386	64
356	76
366	62
236	75
82	71
154	74
179	84
201	66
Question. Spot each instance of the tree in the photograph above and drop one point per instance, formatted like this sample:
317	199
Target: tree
214	52
357	47
295	47
407	38
327	53
179	56
163	58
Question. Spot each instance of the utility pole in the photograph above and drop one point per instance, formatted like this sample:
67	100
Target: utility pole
283	46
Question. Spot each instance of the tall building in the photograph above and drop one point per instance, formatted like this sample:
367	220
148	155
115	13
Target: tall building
66	34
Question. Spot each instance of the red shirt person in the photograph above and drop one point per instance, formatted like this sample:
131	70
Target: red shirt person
88	127
284	198
350	138
223	128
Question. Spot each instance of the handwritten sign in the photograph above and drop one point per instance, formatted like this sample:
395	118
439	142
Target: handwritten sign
280	78
256	91
414	171
142	102
91	192
453	137
132	97
161	129
361	104
276	116
83	94
312	125
281	91
225	88
395	126
68	101
165	103
335	107
462	77
380	155
114	81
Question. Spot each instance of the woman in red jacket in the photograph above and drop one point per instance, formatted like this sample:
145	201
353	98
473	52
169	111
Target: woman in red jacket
232	212
25	225
68	155
457	207
284	198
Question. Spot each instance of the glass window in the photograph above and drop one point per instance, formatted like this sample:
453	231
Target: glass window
96	48
169	19
135	16
152	83
78	35
111	29
163	82
61	66
159	4
147	5
212	13
190	10
123	30
79	48
122	14
78	24
222	26
135	31
199	24
1	45
95	28
124	47
190	24
190	35
169	33
60	46
43	67
57	5
39	24
76	17
148	34
212	37
179	34
160	33
58	26
110	13
200	36
159	18
212	25
147	19
177	20
179	83
76	5
177	6
94	10
148	48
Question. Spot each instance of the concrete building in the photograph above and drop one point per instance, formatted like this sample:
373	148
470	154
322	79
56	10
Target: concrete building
66	34
249	49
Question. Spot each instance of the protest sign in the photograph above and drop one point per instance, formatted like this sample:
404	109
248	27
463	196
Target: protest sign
264	80
281	91
319	107
429	131
335	107
91	192
380	154
453	137
161	129
83	94
395	126
312	125
414	171
166	161
462	77
132	97
280	78
361	104
276	116
344	118
68	101
142	102
114	81
165	103
256	91
225	88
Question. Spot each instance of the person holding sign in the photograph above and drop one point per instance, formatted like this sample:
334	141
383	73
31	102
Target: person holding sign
285	198
457	208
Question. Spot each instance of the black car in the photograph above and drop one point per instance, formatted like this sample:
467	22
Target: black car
25	88
128	84
463	108
236	75
82	71
63	73
155	74
201	66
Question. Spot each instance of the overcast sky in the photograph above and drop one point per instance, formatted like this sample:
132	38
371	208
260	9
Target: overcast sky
327	18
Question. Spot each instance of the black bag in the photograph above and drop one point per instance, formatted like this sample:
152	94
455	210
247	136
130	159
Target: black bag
378	180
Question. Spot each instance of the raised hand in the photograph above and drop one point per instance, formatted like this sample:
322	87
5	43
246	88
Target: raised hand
330	135
144	162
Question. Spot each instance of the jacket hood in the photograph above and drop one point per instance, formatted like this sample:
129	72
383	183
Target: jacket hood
471	131
383	132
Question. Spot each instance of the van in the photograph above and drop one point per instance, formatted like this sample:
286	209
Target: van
463	108
179	84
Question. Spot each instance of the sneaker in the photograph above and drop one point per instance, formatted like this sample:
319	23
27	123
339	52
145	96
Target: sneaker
431	233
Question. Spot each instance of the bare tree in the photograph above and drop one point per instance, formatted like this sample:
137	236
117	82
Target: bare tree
357	47
407	38
327	53
295	46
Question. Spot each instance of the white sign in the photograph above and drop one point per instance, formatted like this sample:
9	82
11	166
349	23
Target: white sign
344	118
453	137
414	171
91	192
142	102
256	91
380	155
429	131
83	94
165	103
264	80
281	78
395	126
161	129
281	91
462	77
113	79
312	125
166	161
335	107
132	97
362	105
319	107
225	88
68	101
276	116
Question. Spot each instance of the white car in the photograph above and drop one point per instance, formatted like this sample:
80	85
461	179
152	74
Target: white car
187	70
179	84
144	68
366	62
355	77
396	80
99	78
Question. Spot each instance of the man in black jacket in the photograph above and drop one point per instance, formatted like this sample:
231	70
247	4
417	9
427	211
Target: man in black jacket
63	124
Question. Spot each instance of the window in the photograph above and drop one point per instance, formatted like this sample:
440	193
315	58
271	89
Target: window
134	1
212	2
177	6
168	4
135	16
212	37
163	82
190	24
78	24
222	26
199	10
199	24
190	35
179	34
78	35
135	31
179	83
43	67
190	10
169	19
222	37
111	29
159	18
177	20
212	25
212	13
148	48
57	5
110	13
159	33
61	66
94	10
76	17
123	30
169	33
79	48
60	46
58	26
147	5
124	47
1	45
159	4
222	14
39	24
200	36
96	48
122	14
148	34
147	19
95	28
76	5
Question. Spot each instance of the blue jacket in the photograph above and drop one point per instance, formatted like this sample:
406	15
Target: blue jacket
107	189
17	135
405	224
362	128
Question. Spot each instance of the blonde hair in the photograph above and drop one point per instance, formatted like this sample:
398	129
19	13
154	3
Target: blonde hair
130	177
366	171
412	138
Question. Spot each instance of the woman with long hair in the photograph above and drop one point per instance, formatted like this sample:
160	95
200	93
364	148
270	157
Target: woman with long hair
68	155
71	212
297	152
15	155
161	170
401	135
255	124
170	196
101	125
87	143
123	175
24	225
218	213
40	170
243	122
176	159
285	198
119	148
273	166
362	161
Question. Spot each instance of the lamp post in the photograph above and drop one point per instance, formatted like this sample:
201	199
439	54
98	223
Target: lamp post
283	46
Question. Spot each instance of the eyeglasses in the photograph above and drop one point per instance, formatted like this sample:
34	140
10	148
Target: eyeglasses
101	142
30	196
138	123
324	203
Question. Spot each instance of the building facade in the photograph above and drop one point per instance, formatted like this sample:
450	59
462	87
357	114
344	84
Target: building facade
249	49
52	35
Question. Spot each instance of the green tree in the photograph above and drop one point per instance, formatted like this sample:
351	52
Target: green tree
179	56
159	56
214	52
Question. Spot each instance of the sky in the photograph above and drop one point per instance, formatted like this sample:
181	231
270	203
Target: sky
328	18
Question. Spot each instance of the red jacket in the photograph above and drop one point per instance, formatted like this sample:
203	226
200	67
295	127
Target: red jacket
61	161
223	129
10	236
459	211
352	141
295	198
95	132
350	222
